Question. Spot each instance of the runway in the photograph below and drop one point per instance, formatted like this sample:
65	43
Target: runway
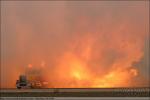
70	92
75	98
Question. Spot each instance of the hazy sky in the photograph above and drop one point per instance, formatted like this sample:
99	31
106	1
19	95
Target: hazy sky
91	37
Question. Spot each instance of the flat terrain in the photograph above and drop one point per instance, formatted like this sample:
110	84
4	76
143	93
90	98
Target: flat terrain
70	92
75	98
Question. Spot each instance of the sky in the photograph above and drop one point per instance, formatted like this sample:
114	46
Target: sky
78	43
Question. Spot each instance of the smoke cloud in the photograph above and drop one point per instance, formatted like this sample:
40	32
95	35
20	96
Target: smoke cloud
76	44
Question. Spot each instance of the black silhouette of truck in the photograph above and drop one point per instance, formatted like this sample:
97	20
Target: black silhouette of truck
23	82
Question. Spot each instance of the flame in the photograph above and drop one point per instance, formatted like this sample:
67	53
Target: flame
77	75
75	67
114	79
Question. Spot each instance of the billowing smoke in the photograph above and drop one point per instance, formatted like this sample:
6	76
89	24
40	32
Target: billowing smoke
76	44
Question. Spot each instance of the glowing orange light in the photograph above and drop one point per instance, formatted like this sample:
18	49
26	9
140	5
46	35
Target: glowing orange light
134	72
30	65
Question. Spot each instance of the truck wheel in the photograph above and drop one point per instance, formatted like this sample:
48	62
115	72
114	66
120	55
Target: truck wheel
18	87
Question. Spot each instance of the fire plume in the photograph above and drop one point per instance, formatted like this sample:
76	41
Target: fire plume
89	44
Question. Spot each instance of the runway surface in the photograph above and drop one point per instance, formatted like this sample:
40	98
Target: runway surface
75	98
69	92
